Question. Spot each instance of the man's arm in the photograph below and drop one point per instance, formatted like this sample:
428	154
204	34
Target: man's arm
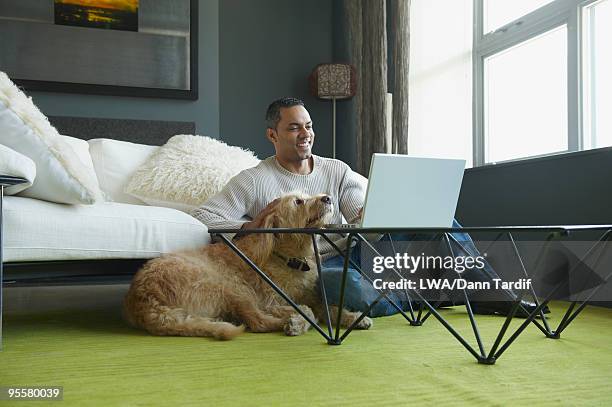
352	195
228	208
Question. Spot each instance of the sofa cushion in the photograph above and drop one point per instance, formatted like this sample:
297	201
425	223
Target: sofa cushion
61	175
36	230
16	165
187	170
115	161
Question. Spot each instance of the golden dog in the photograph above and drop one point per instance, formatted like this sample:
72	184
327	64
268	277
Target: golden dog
207	292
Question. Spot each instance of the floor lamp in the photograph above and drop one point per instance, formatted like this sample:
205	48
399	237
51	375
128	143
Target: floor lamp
333	81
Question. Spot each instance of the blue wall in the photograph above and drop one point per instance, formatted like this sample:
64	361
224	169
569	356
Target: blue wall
267	50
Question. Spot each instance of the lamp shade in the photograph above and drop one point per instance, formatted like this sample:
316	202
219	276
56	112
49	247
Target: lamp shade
329	81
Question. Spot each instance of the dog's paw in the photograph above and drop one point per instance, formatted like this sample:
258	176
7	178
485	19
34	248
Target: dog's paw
365	323
296	324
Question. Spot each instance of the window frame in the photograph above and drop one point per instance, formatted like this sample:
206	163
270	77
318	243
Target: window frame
539	21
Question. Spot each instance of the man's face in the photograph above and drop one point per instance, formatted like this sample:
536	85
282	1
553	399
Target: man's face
294	136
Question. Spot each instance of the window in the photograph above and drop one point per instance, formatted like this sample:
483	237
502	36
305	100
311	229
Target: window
497	13
525	98
542	77
597	74
440	79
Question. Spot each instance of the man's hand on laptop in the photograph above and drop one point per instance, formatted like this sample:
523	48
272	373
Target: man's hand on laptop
357	218
257	222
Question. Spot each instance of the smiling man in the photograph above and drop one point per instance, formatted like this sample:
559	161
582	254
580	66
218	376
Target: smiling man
252	193
290	130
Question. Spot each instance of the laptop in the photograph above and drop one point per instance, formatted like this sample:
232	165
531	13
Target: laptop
410	192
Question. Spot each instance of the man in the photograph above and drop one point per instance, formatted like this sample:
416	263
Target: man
252	194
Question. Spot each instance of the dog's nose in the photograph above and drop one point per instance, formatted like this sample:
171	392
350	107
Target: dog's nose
326	199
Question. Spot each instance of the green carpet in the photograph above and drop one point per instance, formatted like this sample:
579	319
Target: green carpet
101	361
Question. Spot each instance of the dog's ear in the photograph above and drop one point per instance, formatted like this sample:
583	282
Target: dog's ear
259	246
270	221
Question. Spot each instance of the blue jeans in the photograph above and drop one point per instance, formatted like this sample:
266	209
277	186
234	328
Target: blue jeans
359	293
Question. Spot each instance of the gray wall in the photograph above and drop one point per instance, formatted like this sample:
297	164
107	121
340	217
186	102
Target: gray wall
250	52
267	50
569	188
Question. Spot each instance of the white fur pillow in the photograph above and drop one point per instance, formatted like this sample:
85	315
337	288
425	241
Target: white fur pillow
187	170
16	165
61	177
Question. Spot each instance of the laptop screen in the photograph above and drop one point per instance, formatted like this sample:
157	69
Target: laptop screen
412	192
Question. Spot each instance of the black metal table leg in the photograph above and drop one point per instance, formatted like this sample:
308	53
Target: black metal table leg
315	247
347	256
468	306
568	317
498	348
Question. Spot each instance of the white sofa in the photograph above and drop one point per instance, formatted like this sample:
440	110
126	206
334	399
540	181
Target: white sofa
39	234
102	201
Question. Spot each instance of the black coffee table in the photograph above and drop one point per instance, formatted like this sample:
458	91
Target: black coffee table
420	311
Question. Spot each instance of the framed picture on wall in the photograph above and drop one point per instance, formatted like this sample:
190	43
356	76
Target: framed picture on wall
143	48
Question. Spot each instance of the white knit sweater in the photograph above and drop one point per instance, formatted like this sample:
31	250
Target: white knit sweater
251	190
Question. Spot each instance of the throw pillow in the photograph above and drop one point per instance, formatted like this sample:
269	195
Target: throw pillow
81	148
61	175
187	170
16	165
115	161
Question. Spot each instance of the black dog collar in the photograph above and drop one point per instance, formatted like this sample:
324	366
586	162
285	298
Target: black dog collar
295	263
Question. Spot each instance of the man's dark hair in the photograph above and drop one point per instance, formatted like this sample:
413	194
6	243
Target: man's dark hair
273	112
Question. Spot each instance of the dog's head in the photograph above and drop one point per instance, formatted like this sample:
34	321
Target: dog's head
298	210
294	210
